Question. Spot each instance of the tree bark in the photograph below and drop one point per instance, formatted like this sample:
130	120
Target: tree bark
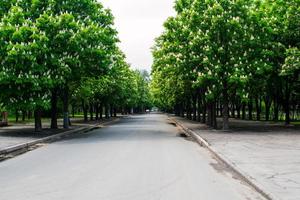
199	108
23	115
250	109
85	111
101	111
29	115
195	108
91	112
276	109
111	110
66	108
287	103
38	120
243	111
106	111
233	110
238	110
258	108
17	116
214	115
73	110
225	106
268	105
97	111
209	114
204	111
54	109
115	112
181	110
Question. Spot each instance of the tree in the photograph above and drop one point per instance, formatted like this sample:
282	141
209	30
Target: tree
50	48
232	56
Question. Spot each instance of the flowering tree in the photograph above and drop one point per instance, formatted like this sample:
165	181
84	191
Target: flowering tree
52	49
232	56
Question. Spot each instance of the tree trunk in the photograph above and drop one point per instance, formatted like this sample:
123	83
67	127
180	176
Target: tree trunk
177	110
106	111
294	109
204	112
217	108
287	103
29	115
199	108
17	116
243	111
250	109
190	105
115	112
225	106
54	109
85	111
101	111
66	108
209	114
73	111
5	118
38	120
276	109
238	109
181	110
188	110
111	110
91	112
195	108
214	115
258	109
97	111
233	110
23	115
268	105
221	109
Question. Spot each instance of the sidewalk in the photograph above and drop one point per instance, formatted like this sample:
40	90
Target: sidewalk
268	153
21	133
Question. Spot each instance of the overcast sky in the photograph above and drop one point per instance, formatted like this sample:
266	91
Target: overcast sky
139	22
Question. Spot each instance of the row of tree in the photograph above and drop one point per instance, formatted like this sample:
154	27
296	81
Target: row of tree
54	53
228	58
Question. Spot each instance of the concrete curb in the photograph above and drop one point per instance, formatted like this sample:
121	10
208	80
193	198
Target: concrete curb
243	175
23	147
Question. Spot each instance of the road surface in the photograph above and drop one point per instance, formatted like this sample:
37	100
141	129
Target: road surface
139	158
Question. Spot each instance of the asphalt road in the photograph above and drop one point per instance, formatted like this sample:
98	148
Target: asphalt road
139	158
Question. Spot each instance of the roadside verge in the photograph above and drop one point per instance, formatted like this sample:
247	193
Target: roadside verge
18	149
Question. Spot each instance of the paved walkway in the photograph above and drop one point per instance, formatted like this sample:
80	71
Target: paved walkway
17	134
21	133
267	152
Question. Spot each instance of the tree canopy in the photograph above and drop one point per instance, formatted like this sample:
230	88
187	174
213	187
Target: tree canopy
63	51
224	57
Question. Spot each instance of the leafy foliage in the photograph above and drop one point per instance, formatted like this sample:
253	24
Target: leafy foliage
229	53
52	48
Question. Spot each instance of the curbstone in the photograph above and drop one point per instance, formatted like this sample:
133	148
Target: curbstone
243	175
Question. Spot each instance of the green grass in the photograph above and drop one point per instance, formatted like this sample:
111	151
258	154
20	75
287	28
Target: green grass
12	119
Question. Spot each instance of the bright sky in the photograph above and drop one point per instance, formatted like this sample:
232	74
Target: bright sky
139	22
